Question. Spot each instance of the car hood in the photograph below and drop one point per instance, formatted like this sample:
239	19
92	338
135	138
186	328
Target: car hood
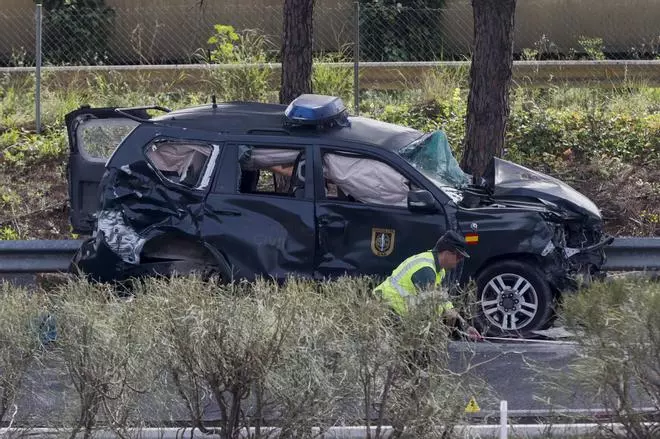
509	180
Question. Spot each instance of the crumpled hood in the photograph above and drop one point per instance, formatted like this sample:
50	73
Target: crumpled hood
508	179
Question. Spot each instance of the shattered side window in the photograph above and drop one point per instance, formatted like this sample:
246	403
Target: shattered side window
98	138
180	162
352	177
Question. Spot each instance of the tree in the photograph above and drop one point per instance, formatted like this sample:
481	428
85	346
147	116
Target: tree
296	51
297	59
490	79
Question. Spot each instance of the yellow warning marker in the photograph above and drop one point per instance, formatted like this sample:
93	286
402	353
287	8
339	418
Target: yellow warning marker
472	406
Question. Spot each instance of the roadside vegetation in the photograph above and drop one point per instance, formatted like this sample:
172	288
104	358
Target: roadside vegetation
301	357
604	141
618	336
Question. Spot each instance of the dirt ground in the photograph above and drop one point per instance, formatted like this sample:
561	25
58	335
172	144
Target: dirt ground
35	201
627	194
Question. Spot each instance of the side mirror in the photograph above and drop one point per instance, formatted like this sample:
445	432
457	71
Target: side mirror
421	201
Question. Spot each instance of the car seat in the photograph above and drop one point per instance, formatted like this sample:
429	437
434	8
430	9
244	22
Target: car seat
297	186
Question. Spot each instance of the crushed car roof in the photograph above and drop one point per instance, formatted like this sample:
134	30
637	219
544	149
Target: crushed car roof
263	118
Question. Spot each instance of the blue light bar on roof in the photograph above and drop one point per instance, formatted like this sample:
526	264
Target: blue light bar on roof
311	109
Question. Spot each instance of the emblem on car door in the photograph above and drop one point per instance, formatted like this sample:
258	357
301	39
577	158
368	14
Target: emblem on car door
382	241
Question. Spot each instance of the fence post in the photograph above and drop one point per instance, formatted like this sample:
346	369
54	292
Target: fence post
504	434
356	60
37	98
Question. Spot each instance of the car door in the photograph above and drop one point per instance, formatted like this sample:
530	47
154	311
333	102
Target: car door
93	134
263	231
364	224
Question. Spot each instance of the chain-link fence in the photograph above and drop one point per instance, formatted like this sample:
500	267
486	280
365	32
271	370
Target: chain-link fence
385	44
166	34
178	33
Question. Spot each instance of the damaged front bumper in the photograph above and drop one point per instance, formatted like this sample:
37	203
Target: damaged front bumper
571	267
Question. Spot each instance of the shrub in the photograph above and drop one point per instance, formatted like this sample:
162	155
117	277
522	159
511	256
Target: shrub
76	31
254	348
20	340
618	339
248	47
399	367
401	30
301	354
333	81
101	341
533	134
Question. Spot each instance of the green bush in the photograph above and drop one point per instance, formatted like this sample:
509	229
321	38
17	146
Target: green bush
401	30
102	343
230	47
333	81
76	31
535	135
21	150
301	355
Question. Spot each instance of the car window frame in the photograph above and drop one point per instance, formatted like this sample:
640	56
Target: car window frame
210	165
228	183
368	153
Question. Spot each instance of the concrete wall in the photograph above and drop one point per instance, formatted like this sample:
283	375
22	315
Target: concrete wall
621	23
150	29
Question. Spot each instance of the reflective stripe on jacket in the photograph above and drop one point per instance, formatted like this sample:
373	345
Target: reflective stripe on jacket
399	291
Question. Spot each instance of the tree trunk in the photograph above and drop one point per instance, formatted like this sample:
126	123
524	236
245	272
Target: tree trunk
490	78
296	49
296	57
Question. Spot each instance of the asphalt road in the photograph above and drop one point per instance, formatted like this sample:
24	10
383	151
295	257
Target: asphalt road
504	366
509	369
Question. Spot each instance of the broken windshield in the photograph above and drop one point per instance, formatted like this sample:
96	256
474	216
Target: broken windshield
432	156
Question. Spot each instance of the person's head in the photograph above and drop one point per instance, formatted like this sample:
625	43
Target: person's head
450	249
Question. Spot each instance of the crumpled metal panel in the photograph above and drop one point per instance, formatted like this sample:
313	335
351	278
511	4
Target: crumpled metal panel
137	206
119	236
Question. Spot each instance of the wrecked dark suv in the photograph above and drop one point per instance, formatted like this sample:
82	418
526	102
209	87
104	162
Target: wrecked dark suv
252	189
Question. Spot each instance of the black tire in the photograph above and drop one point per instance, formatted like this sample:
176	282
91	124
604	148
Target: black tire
524	303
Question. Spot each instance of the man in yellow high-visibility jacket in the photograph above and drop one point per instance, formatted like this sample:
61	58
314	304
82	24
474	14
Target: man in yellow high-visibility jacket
421	275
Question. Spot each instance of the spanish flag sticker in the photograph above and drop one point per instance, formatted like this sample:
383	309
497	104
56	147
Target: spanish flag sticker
472	238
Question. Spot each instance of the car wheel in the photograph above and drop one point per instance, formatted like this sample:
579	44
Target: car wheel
513	299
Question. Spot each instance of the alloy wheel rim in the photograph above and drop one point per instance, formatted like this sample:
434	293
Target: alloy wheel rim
509	301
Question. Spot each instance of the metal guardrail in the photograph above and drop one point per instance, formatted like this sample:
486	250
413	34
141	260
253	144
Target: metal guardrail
49	256
384	75
633	254
38	256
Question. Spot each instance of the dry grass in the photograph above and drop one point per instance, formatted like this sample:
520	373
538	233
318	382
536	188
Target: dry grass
23	314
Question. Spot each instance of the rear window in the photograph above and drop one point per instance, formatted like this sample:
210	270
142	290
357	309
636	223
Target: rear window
98	138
